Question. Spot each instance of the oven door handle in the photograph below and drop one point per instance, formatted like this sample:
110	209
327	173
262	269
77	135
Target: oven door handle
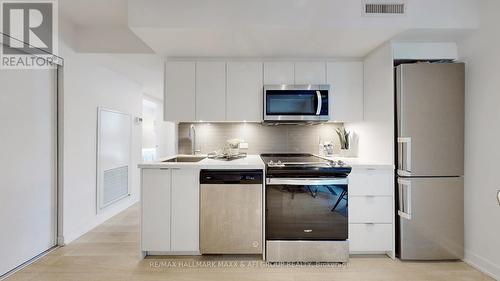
306	181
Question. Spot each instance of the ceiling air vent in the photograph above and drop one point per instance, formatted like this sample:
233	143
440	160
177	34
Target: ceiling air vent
384	9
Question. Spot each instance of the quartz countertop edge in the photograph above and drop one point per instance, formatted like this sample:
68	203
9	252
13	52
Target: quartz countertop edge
248	163
357	163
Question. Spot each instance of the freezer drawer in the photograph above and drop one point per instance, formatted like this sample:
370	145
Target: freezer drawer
431	218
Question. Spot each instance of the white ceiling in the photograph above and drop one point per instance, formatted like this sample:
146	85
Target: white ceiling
284	28
99	26
263	43
255	28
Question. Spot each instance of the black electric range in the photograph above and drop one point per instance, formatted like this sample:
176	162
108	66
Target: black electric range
303	166
306	208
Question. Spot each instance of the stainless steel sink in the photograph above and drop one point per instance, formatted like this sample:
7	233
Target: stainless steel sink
184	159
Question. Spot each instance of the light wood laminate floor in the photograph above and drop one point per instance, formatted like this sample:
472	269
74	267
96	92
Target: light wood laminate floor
111	252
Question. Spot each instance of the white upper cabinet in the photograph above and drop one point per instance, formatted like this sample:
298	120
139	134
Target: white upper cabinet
211	91
233	90
180	91
310	73
346	91
279	73
244	91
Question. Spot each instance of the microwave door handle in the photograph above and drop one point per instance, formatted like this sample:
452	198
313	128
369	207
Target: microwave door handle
320	103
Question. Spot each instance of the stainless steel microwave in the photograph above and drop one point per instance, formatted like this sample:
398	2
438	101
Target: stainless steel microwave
296	103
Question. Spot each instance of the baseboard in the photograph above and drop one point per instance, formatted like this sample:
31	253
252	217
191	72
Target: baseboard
483	265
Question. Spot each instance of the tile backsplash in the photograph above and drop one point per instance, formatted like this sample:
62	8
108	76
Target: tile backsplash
260	138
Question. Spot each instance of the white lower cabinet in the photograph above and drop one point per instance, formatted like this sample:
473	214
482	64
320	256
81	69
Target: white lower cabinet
185	210
371	211
370	237
155	204
170	210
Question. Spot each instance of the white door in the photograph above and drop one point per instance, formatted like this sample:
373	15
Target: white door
28	166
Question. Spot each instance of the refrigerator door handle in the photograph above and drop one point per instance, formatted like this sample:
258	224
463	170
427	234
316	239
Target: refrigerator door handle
404	188
404	156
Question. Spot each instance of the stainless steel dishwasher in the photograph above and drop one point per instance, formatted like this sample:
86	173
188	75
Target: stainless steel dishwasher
231	212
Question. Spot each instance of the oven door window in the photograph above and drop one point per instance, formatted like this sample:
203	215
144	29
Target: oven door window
304	212
295	102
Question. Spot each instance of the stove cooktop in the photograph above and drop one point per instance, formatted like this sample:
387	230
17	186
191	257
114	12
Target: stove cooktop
303	165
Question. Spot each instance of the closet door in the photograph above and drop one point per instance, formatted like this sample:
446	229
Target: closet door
28	166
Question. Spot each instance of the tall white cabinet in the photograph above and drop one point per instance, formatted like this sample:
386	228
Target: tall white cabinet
346	90
244	91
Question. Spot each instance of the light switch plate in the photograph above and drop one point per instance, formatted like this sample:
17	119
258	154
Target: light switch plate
244	145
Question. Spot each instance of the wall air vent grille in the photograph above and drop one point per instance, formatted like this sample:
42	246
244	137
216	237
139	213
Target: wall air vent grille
115	185
384	9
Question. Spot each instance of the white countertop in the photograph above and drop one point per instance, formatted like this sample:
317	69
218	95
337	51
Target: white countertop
360	163
249	162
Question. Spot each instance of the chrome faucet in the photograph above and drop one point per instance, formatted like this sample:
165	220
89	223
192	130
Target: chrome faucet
192	137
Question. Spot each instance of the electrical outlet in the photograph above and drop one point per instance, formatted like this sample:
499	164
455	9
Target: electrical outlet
244	145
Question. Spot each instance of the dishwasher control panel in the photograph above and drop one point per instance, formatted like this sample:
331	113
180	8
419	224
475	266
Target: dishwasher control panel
231	177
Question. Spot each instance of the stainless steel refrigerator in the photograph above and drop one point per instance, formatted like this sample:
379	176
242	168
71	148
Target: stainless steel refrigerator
430	161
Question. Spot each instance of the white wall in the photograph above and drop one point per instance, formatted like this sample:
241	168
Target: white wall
376	133
425	50
482	134
86	85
